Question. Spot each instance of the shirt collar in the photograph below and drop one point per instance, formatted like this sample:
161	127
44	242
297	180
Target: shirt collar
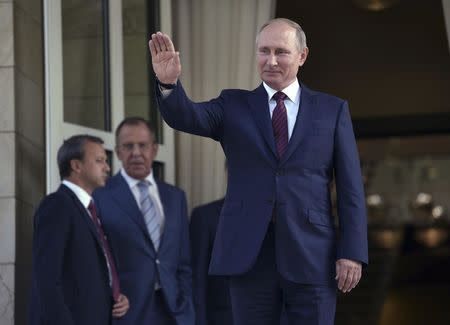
132	182
292	91
81	194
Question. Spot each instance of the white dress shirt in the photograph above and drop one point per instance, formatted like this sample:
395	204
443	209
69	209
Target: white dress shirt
81	194
292	103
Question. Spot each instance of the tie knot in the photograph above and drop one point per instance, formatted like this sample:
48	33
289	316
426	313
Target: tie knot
279	96
143	186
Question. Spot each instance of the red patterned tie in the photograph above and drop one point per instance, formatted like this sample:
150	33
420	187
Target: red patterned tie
115	283
279	124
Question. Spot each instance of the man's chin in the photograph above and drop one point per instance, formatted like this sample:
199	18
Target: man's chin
138	173
272	82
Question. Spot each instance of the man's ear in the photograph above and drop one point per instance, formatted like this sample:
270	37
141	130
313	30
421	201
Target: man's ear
303	56
75	165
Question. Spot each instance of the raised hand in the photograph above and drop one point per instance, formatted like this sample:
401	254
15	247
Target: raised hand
165	61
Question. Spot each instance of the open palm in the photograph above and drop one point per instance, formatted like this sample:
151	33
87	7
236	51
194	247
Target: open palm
165	61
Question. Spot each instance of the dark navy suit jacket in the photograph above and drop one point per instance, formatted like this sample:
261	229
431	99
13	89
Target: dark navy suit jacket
70	283
211	293
296	188
139	264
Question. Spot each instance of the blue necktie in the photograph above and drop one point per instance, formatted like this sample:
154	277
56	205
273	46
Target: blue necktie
150	213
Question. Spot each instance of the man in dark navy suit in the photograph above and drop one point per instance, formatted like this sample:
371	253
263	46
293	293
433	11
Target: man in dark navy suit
211	293
74	273
147	222
284	143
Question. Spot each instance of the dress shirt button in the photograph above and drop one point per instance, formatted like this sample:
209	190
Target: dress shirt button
157	261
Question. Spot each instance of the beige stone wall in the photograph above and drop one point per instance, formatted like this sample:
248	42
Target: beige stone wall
30	139
7	164
22	143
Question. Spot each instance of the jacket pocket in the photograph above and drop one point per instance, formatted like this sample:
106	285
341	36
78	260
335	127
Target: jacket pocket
320	218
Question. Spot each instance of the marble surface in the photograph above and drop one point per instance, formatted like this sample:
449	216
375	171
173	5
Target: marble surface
28	45
6	294
7	165
7	230
6	34
7	99
29	108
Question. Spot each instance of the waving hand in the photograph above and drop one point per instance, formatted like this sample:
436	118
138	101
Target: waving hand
165	61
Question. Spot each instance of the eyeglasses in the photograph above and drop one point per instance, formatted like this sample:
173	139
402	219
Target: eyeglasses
142	146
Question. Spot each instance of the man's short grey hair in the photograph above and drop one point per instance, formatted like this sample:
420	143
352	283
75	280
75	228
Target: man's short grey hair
299	33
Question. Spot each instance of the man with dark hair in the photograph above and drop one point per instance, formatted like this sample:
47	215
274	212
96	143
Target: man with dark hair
148	227
74	273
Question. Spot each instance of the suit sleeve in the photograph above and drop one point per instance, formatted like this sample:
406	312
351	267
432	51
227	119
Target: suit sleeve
180	113
201	255
52	227
352	213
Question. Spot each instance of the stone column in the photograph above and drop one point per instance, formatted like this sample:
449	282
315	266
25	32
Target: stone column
7	164
22	145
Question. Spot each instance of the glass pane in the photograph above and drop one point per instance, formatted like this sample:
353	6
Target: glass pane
158	170
407	180
140	19
86	98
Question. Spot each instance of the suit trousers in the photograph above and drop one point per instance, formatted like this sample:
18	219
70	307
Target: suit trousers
259	295
160	313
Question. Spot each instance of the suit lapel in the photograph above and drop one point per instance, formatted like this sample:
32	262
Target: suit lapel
259	107
304	118
169	222
219	206
126	201
84	214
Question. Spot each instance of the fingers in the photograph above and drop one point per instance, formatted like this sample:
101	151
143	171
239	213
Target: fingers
121	307
165	61
160	43
348	274
152	47
168	43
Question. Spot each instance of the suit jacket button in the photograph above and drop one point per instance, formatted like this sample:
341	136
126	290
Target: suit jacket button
157	261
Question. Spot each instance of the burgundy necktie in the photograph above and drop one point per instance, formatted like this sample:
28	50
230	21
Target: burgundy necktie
279	124
115	283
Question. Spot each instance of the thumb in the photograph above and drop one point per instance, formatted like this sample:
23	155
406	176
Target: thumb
177	58
338	268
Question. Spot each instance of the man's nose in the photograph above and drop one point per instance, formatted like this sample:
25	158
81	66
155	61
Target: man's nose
136	151
272	60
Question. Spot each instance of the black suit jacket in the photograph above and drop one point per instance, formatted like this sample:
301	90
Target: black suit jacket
70	283
211	293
